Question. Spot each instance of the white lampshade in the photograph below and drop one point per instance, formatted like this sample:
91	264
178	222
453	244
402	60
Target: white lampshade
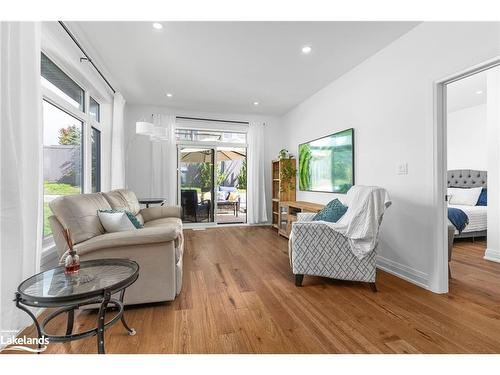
144	128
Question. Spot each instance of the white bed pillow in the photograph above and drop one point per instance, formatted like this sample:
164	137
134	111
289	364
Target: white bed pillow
115	221
465	197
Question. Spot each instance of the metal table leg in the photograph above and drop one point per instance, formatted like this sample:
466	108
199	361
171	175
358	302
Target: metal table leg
38	330
71	321
131	331
100	323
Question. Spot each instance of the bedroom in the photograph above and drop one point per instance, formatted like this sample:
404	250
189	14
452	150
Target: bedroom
472	165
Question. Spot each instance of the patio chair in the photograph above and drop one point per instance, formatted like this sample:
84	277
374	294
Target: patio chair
192	209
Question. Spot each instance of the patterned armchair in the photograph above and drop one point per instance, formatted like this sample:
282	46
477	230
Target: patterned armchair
316	249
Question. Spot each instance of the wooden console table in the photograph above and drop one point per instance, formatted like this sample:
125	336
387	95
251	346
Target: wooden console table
288	214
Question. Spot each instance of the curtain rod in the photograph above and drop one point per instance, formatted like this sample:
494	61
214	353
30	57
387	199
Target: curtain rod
211	120
87	57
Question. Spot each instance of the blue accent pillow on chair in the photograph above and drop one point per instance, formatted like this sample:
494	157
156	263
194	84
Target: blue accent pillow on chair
332	212
483	198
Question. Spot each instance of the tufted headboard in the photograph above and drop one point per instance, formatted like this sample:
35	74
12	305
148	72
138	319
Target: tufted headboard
467	178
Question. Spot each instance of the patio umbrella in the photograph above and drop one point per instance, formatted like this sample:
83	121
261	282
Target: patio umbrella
205	156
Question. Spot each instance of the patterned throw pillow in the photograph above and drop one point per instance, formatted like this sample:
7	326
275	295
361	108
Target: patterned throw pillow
130	215
332	212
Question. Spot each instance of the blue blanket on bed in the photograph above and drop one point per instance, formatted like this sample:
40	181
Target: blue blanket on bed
458	218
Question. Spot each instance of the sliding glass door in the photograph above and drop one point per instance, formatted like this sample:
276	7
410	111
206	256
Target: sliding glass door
196	184
231	185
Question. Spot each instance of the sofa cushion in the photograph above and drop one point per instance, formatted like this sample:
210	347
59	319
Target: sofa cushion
124	199
163	222
129	238
140	219
78	213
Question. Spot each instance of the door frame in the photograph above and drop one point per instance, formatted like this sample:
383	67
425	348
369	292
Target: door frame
439	282
214	146
213	205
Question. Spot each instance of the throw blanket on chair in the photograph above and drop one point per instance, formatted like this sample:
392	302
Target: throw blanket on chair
458	218
360	224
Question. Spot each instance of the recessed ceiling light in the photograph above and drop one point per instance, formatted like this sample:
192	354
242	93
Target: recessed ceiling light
169	95
256	103
479	92
306	50
157	26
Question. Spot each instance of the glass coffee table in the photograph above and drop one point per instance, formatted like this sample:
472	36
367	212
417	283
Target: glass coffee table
96	282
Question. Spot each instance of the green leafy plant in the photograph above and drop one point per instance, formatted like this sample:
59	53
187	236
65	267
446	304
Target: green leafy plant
205	175
70	136
287	176
221	176
284	154
242	177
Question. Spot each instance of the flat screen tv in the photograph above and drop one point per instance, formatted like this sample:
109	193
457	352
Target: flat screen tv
327	164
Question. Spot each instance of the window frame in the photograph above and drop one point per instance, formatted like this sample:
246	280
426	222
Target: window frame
98	110
87	124
99	157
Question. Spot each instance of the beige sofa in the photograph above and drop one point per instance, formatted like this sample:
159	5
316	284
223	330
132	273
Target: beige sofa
157	248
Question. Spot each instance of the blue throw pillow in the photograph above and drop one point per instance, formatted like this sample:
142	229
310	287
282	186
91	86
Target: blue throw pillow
332	212
483	198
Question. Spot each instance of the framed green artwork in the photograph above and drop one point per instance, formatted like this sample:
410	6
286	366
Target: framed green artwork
327	164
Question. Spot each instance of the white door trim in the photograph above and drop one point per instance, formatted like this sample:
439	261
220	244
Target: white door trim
439	279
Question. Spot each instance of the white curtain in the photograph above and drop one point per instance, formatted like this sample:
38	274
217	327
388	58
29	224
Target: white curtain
20	165
256	175
164	162
118	143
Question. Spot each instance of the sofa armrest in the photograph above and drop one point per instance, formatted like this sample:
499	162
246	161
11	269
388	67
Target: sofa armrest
158	212
137	237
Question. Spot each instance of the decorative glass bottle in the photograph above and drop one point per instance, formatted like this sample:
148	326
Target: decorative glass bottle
72	260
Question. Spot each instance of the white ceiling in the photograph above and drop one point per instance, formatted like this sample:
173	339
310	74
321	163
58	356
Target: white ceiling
226	66
466	92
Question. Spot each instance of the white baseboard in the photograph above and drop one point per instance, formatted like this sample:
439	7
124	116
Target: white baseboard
404	272
492	255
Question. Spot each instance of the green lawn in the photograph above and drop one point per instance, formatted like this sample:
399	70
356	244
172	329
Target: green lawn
55	188
46	225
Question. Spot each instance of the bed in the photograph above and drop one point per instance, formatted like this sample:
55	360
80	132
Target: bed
477	215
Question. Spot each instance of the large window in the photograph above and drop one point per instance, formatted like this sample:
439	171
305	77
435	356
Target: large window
60	84
96	160
71	138
199	135
62	157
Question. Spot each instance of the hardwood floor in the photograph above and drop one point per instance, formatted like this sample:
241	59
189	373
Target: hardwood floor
239	297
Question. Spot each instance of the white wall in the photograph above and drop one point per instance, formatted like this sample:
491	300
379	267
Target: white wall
138	148
467	134
388	99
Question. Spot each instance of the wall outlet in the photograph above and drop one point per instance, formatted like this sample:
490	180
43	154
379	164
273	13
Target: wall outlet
402	169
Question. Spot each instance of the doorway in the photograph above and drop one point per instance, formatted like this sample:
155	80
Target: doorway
468	171
212	177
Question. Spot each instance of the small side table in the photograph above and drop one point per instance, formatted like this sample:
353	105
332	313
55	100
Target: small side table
149	201
96	282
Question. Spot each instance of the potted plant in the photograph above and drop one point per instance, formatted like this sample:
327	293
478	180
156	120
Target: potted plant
284	154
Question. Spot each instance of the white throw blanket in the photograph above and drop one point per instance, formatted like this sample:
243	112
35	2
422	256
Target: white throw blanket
360	224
